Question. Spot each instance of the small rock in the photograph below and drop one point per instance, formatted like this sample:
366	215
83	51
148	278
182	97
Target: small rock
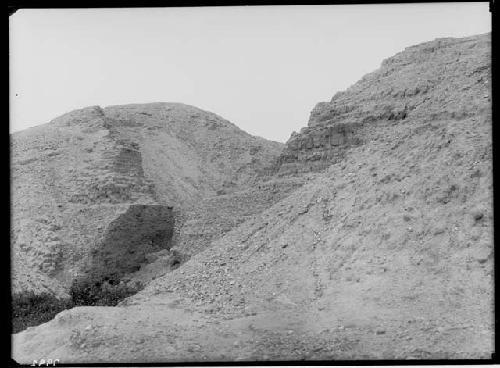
477	215
380	332
476	174
482	259
439	230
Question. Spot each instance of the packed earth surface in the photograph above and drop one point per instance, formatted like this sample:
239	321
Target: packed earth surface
368	235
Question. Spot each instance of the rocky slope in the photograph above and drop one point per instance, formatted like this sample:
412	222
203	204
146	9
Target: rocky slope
195	229
384	249
97	190
445	78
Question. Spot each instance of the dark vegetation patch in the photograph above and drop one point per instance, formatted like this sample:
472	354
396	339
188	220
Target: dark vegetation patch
29	309
103	292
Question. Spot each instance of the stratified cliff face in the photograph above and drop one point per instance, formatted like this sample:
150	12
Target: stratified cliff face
83	184
445	78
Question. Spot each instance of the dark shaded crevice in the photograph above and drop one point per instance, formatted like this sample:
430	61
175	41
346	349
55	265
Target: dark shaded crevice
141	230
125	245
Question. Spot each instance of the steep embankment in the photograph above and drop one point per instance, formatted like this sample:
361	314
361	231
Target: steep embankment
438	80
93	190
387	253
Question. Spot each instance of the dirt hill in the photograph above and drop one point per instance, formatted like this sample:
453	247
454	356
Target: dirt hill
383	249
96	190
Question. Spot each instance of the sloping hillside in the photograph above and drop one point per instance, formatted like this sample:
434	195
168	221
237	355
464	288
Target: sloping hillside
189	153
93	190
195	229
384	252
442	79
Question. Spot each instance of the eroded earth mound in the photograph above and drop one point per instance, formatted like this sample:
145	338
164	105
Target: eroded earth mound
368	236
97	190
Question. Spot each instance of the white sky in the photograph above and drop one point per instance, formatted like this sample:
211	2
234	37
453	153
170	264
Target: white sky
263	68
